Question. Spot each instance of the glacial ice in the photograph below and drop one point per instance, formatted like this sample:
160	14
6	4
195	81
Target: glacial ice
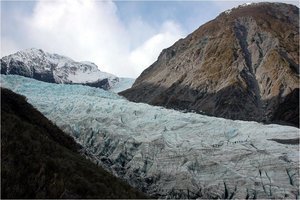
168	153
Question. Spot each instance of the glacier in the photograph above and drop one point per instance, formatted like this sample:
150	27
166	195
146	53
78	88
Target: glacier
167	153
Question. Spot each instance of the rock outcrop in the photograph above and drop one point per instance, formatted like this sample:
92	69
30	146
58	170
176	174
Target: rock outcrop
242	65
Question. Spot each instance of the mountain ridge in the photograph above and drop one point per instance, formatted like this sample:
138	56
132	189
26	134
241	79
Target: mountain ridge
54	68
241	65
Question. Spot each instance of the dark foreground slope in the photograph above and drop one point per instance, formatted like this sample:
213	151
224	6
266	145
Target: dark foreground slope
242	65
39	161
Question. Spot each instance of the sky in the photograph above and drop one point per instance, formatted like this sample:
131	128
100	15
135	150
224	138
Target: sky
120	37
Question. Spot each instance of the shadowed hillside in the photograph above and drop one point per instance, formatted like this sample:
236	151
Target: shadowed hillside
38	160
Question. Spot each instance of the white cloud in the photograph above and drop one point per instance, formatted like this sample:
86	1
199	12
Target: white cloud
148	52
83	30
91	30
8	46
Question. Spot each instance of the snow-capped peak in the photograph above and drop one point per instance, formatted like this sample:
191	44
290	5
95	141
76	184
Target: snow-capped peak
35	63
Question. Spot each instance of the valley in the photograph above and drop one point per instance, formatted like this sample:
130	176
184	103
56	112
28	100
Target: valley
213	114
161	151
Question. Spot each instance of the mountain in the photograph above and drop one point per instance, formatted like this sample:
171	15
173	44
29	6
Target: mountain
54	68
39	161
242	65
167	153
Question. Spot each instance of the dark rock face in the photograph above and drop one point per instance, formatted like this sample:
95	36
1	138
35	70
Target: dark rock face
288	110
44	76
17	68
242	65
100	84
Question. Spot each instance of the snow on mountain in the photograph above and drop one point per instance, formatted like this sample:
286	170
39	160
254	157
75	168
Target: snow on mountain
54	68
242	5
167	153
122	84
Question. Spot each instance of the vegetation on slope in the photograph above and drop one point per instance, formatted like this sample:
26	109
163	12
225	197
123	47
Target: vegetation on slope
38	160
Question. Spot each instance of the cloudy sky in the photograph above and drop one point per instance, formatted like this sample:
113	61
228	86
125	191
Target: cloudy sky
121	37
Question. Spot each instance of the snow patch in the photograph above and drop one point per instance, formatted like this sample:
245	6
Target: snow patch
227	12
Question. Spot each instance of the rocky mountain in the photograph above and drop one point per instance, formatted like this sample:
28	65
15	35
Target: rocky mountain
167	153
40	161
242	65
54	68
